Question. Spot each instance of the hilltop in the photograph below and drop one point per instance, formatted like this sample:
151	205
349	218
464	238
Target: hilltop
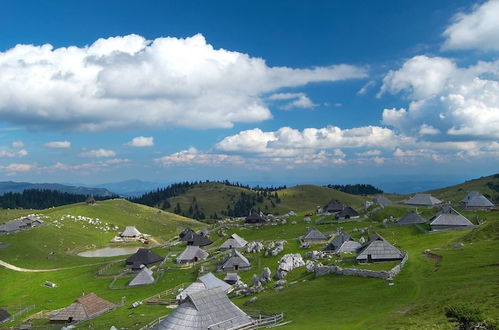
215	200
487	185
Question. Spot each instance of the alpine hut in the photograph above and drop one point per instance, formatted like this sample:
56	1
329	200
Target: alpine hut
142	257
234	261
347	213
131	232
84	308
411	218
255	218
378	249
333	206
232	278
144	277
313	235
206	309
207	281
448	218
4	316
193	238
382	200
90	200
423	200
475	201
343	243
234	242
192	253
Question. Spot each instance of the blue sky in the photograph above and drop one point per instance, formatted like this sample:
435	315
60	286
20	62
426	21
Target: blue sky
254	91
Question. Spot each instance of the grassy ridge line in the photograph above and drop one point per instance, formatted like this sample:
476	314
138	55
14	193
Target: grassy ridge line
214	197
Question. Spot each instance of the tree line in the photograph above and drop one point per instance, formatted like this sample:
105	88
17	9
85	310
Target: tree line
356	189
41	199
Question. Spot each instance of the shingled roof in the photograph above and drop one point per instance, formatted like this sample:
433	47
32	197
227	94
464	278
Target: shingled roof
255	218
313	235
193	238
207	281
234	261
130	231
206	309
347	213
448	217
192	254
423	200
4	315
410	218
382	200
143	257
235	241
475	199
333	206
337	241
144	277
85	307
378	249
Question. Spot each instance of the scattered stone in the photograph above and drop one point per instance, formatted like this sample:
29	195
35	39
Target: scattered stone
252	300
293	222
458	245
310	266
280	283
290	261
256	281
265	277
307	220
254	247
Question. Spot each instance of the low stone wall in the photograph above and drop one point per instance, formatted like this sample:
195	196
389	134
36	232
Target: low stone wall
325	270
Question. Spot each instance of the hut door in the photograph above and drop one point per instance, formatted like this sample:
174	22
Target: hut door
236	267
369	258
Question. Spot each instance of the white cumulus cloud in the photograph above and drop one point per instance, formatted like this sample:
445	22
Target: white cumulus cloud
299	100
141	141
478	29
194	156
58	144
98	153
129	81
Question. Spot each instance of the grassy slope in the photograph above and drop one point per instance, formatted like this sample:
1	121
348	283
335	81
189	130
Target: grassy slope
455	193
331	302
214	197
31	248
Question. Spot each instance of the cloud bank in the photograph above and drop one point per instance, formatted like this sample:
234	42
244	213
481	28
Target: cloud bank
129	81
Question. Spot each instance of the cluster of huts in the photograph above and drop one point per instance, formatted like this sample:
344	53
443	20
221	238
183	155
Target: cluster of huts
24	223
446	218
473	201
339	210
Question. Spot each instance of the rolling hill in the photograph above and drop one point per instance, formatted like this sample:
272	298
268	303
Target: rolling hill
63	236
214	199
487	185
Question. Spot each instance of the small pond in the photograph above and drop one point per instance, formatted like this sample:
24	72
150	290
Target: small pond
109	252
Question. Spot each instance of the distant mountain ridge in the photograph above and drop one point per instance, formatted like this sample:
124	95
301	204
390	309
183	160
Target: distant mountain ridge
17	187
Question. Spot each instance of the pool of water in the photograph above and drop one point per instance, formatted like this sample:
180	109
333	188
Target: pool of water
109	252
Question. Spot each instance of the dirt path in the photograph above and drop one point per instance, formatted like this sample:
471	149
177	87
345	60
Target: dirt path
19	269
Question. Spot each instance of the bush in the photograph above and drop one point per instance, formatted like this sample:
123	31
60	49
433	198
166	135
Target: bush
468	316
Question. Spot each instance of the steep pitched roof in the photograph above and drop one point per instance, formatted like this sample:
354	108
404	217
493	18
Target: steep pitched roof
235	258
476	199
411	217
130	231
85	307
423	200
337	241
193	238
144	277
347	212
378	248
349	247
207	281
255	217
143	257
4	315
192	252
235	241
382	200
447	216
207	309
314	234
333	206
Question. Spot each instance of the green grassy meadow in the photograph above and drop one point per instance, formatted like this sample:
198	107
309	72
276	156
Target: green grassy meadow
416	300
